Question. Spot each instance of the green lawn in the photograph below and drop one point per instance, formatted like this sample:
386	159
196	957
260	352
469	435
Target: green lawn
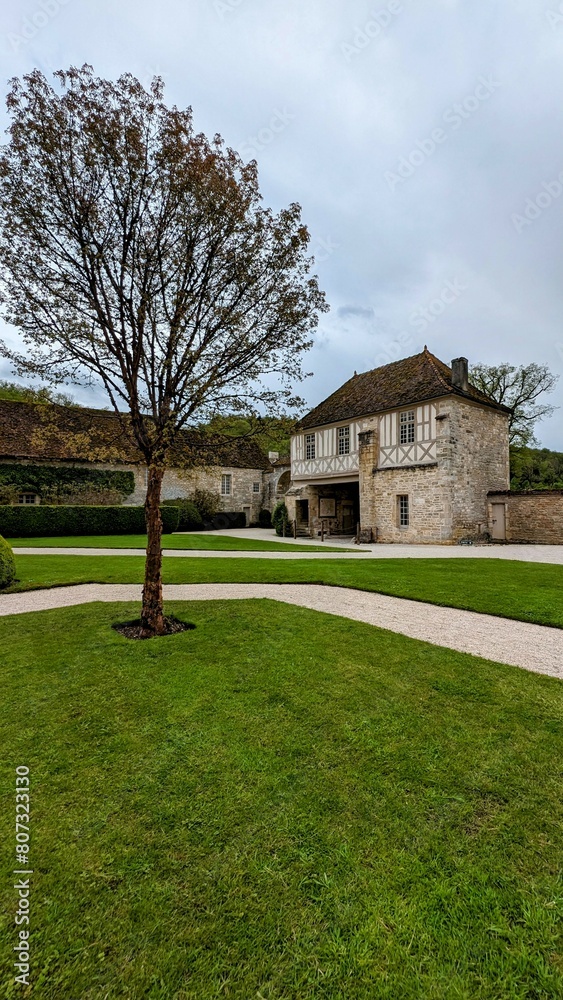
221	543
527	591
280	805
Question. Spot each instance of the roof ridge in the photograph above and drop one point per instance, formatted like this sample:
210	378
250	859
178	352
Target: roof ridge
432	359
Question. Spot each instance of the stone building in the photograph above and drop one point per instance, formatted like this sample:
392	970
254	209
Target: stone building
409	452
78	444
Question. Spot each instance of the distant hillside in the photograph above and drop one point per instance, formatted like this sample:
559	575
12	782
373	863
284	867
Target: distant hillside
536	469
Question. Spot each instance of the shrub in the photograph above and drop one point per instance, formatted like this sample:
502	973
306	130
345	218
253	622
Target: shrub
41	520
227	519
207	503
190	517
265	519
280	518
7	564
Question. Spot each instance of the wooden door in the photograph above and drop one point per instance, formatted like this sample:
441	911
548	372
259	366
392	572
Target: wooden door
499	522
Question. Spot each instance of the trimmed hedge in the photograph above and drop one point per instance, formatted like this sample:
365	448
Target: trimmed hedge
7	564
190	517
264	519
33	520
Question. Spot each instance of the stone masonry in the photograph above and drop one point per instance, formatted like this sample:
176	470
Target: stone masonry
534	516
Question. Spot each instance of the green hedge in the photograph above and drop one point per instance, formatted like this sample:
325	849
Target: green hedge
21	521
280	519
7	564
37	478
190	517
265	519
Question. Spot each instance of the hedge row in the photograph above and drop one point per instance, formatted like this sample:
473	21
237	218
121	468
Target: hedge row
36	478
24	521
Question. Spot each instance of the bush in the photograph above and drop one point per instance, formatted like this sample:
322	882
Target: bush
207	503
226	519
190	517
32	520
7	564
280	519
265	519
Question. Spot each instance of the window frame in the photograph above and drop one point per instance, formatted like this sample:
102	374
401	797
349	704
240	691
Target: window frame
403	511
408	425
256	487
23	500
310	447
226	481
344	440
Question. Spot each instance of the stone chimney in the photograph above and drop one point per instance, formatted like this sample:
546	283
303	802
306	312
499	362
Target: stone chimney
460	374
273	456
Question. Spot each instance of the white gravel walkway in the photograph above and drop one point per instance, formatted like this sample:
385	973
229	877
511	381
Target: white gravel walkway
532	647
520	553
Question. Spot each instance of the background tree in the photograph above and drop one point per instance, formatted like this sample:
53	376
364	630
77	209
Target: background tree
137	253
518	388
34	394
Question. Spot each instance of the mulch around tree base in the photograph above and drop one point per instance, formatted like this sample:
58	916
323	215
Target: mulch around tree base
133	630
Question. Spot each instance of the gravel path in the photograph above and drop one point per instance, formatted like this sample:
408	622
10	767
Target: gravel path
521	553
533	647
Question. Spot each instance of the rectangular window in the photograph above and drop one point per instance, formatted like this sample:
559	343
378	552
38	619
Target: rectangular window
226	485
403	511
27	498
343	440
256	487
310	449
406	425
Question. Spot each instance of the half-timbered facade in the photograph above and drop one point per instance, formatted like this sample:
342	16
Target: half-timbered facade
407	452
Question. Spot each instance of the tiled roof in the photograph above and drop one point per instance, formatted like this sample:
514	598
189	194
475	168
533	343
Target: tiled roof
402	383
51	432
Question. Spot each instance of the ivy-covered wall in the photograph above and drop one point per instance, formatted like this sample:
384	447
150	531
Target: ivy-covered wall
65	484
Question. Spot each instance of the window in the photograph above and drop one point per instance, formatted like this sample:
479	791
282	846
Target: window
256	487
406	425
226	485
310	450
343	440
27	498
403	510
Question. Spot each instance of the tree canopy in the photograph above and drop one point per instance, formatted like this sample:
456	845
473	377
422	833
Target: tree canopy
136	253
519	388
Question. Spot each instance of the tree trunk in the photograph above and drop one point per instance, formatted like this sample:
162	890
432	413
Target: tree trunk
152	619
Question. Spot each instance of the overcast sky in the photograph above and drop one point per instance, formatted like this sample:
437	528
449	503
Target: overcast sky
424	143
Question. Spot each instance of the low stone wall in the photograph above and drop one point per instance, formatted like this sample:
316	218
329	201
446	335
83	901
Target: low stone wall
534	516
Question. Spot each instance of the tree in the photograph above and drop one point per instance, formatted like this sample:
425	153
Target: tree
33	394
136	253
519	389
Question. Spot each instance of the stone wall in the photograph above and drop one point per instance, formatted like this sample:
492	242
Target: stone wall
532	516
448	498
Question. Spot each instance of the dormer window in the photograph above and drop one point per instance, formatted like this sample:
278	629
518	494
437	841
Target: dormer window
28	498
406	427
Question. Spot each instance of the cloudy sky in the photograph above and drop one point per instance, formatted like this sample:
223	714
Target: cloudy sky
424	143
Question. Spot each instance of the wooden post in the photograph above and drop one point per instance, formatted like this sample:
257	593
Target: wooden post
358	533
322	531
295	528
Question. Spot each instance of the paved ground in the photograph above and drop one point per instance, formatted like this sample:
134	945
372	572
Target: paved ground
533	647
522	553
